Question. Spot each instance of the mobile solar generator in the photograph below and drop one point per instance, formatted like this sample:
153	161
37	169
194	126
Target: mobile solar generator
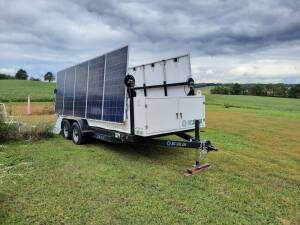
105	99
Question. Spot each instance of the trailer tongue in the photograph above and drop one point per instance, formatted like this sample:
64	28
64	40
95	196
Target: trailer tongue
201	148
104	99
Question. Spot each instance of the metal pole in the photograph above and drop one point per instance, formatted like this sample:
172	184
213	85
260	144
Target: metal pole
197	130
197	138
131	111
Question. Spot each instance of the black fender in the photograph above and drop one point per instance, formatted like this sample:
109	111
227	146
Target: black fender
81	122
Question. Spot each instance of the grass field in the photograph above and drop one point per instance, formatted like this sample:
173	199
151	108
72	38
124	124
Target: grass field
254	177
18	90
255	102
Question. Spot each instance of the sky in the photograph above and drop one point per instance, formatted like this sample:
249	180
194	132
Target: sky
228	40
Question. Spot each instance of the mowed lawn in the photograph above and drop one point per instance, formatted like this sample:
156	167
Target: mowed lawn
254	178
18	91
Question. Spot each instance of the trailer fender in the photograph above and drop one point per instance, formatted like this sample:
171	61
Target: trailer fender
83	125
81	122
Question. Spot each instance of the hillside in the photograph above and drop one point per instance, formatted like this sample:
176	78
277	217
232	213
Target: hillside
18	90
254	102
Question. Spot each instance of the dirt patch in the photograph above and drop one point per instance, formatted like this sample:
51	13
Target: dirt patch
40	112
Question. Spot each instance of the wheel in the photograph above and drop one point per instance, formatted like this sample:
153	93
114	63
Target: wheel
77	136
66	129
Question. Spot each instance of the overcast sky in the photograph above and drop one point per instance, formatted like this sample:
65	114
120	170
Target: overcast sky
229	40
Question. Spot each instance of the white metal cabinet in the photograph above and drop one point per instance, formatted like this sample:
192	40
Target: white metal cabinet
167	114
161	115
190	109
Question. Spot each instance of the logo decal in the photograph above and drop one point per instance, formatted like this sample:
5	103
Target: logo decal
176	144
187	123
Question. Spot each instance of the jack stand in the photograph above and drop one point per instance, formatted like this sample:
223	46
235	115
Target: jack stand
198	167
199	153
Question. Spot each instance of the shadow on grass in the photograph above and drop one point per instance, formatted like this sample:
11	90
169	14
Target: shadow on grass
134	150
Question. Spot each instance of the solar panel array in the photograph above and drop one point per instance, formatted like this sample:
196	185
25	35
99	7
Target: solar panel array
94	89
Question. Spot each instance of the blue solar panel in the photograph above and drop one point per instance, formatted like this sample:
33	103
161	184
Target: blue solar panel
95	88
60	79
80	89
114	92
69	91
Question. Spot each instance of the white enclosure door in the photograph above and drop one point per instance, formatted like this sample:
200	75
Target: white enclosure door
190	109
154	75
161	115
176	72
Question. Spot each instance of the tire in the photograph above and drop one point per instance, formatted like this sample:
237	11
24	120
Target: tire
66	129
77	135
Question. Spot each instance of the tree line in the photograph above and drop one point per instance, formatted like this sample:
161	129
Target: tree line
271	90
22	75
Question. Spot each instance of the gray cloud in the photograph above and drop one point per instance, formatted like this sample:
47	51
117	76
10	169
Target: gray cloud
221	35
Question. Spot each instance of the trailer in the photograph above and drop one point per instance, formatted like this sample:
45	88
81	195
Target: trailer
105	99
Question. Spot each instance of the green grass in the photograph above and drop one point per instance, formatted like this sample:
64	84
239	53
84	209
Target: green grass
255	102
18	90
254	177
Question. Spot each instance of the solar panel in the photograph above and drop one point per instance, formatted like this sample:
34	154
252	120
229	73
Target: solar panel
94	89
80	89
69	91
60	92
114	92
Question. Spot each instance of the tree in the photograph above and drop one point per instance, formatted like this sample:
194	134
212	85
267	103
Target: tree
294	92
258	89
270	89
222	90
279	90
49	77
5	77
236	89
21	75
